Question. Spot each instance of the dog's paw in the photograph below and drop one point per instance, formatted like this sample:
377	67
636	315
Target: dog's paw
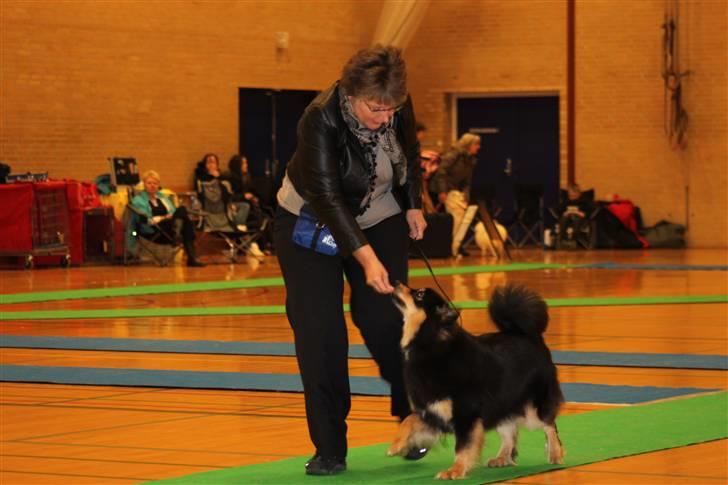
555	454
501	461
454	473
396	449
556	458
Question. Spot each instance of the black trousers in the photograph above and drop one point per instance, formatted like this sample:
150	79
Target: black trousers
314	298
178	227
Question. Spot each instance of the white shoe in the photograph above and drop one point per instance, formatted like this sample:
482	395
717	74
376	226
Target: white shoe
255	250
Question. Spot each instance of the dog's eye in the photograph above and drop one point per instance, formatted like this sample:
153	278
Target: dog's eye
419	294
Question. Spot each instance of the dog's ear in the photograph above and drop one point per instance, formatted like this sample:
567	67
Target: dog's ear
448	315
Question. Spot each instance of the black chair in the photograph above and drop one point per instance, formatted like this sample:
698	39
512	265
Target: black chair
527	226
161	245
217	218
576	221
487	195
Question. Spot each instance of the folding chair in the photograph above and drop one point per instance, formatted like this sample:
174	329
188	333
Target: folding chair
485	232
528	224
573	230
144	238
217	216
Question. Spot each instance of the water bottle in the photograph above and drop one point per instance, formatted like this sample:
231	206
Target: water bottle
195	204
547	240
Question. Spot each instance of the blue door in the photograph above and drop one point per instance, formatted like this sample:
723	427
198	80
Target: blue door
268	119
520	147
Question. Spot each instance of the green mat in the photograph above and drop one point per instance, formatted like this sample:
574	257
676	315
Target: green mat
281	309
588	437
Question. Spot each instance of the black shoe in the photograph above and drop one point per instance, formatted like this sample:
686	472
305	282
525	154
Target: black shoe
416	454
194	263
318	465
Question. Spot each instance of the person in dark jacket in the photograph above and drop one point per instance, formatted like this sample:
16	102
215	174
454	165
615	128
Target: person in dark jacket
356	165
241	182
452	180
456	167
208	177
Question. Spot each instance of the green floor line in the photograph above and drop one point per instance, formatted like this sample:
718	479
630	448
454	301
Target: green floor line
280	309
277	281
241	284
587	438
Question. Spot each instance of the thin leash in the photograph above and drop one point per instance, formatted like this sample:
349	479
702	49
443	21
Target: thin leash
443	292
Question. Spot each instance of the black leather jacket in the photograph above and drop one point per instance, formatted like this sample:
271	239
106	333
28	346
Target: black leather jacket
330	172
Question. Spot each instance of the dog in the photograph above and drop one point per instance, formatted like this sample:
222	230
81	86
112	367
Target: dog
484	241
465	384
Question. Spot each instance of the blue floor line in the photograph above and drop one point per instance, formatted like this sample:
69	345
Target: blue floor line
356	351
372	386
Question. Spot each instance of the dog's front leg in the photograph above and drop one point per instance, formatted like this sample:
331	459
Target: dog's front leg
406	430
468	445
413	432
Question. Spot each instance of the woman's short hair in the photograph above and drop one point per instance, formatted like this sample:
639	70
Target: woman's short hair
376	73
151	174
467	139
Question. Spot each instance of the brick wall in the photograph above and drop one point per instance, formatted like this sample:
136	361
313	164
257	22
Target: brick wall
83	80
494	47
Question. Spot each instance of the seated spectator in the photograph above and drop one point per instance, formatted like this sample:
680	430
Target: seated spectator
575	207
241	182
574	201
208	170
163	220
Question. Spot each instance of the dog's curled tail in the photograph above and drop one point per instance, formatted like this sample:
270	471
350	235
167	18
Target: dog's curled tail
517	309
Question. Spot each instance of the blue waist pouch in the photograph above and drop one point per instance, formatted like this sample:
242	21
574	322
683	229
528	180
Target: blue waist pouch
312	234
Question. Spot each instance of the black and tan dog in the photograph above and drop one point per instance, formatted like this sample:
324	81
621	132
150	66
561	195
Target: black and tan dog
465	384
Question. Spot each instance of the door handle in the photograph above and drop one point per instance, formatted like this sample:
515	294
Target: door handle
509	167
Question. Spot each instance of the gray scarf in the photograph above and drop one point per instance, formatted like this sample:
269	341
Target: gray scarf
370	141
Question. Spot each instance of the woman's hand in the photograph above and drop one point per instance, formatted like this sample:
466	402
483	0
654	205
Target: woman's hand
416	223
374	271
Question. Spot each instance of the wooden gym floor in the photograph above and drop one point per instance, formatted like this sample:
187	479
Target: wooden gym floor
123	435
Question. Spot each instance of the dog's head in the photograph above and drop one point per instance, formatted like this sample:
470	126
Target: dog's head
423	307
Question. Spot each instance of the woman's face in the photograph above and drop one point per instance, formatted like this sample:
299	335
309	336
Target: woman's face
372	114
474	148
151	185
211	164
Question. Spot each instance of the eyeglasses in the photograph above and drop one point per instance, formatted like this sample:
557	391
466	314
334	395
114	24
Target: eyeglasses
383	110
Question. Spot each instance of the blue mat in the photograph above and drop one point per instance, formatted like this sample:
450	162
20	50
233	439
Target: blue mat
371	386
356	351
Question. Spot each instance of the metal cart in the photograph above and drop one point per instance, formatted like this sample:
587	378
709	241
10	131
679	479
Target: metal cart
39	225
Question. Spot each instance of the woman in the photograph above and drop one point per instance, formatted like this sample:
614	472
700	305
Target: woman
208	175
163	220
357	167
452	180
240	180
